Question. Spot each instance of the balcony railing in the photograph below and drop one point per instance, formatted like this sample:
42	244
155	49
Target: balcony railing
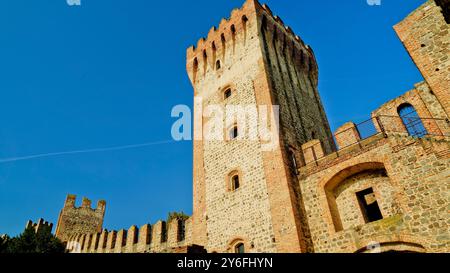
361	134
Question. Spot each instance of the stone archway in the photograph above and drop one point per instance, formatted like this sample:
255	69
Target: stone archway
345	207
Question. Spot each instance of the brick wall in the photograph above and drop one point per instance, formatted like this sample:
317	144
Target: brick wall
264	63
426	37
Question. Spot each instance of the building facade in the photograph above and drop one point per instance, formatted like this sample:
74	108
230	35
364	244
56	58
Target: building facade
382	185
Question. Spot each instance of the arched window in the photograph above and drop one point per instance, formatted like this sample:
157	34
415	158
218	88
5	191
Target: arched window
218	65
227	93
235	184
411	120
239	248
234	132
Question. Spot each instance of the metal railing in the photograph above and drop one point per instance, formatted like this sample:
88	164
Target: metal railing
382	125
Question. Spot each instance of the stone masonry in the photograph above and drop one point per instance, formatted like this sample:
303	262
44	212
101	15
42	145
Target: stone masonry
73	220
353	191
425	35
40	226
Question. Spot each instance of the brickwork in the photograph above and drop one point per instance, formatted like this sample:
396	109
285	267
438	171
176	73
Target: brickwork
426	37
426	105
40	226
410	179
386	192
84	220
158	238
274	68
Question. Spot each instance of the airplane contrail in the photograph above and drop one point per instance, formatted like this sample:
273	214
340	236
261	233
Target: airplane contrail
125	147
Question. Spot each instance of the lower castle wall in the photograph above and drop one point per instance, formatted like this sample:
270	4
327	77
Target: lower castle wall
158	238
411	181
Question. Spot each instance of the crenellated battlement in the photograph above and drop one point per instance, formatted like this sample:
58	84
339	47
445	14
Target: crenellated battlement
40	226
85	204
83	219
243	25
159	237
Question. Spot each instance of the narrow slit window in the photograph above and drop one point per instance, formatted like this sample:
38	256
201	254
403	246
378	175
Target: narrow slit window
235	183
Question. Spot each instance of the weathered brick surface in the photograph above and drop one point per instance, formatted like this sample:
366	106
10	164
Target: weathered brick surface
347	135
264	63
426	105
411	181
40	226
82	220
425	35
159	238
314	208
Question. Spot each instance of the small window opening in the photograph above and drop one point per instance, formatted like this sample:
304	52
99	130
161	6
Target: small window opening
369	206
218	65
239	248
235	182
227	93
234	133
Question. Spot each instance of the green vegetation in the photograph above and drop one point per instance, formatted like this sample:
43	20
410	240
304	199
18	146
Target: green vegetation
177	215
31	242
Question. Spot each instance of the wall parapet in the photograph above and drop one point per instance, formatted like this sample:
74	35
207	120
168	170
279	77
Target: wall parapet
158	238
236	28
40	226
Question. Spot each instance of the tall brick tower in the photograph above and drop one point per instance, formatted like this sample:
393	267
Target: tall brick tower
247	198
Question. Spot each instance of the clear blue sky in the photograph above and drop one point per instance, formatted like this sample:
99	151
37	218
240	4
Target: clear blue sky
108	73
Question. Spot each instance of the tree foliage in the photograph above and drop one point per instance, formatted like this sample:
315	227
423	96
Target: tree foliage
31	242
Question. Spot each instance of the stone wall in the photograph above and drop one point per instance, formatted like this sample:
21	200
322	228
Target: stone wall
264	63
411	181
426	105
158	238
40	226
84	219
425	35
221	216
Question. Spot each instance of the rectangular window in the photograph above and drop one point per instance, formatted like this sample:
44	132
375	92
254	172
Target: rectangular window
369	205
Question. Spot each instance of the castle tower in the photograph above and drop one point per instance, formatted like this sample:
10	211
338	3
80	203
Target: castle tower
246	197
425	35
82	220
